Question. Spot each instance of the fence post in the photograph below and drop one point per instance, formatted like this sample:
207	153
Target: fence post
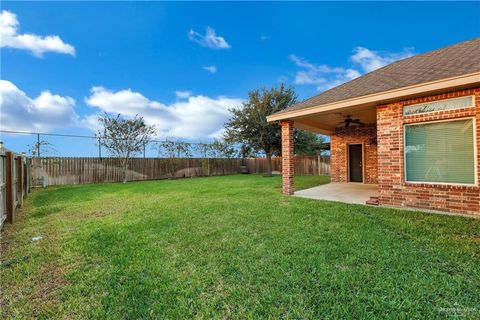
38	145
24	165
9	192
20	173
319	163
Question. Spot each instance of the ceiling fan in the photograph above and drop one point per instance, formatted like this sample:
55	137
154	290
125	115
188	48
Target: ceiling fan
348	121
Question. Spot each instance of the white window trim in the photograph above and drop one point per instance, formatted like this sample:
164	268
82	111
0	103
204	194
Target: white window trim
441	100
475	156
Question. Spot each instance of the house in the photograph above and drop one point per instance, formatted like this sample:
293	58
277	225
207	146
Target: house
410	128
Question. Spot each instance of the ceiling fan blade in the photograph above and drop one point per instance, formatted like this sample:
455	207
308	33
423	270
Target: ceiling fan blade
357	121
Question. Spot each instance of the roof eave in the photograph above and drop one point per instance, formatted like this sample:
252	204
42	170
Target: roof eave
383	97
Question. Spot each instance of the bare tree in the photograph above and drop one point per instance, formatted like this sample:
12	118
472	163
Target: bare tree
174	151
203	149
123	138
223	149
43	145
38	149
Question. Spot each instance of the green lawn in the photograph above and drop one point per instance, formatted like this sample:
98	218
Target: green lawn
232	247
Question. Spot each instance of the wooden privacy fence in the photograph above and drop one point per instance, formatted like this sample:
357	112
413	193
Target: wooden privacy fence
14	183
18	173
60	171
304	166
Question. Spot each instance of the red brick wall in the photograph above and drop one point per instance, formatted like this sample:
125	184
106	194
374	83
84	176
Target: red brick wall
339	152
288	164
393	190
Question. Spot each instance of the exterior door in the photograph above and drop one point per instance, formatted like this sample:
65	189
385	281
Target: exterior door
355	162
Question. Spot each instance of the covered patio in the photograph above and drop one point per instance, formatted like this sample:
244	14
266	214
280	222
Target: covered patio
404	135
357	193
352	127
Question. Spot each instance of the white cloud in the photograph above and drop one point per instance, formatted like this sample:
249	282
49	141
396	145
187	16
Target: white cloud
211	69
183	94
37	45
326	77
195	118
209	40
44	113
370	60
217	134
264	38
323	76
91	122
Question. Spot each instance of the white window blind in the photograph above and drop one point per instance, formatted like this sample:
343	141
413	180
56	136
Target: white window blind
440	152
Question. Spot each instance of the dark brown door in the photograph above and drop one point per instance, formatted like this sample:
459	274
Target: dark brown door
355	162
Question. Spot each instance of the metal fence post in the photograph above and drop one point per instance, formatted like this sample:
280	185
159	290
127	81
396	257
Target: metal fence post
38	145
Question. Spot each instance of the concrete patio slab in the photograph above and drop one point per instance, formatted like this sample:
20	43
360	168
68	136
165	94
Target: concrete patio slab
343	192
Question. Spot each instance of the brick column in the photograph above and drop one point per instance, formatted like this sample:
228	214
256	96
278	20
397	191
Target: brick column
288	186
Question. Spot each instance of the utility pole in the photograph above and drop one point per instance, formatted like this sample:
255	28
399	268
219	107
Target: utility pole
38	145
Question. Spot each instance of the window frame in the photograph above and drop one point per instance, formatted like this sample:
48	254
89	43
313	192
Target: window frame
475	156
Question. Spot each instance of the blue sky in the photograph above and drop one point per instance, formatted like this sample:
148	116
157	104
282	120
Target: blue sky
181	65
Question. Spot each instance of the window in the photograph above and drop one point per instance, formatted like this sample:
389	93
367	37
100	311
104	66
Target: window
440	152
450	104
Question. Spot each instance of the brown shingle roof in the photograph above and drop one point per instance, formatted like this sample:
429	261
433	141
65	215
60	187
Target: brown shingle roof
459	59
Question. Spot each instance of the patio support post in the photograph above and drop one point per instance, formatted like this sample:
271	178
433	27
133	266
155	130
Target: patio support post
287	157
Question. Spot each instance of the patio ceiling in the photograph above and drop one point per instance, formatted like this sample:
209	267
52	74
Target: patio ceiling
326	122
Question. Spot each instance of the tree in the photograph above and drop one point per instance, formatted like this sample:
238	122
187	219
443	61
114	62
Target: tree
174	151
203	149
246	151
41	147
307	143
222	149
38	149
123	138
248	124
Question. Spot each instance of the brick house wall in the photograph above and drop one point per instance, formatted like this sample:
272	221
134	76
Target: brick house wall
393	190
339	141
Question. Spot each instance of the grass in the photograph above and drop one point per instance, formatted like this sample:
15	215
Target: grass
232	247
